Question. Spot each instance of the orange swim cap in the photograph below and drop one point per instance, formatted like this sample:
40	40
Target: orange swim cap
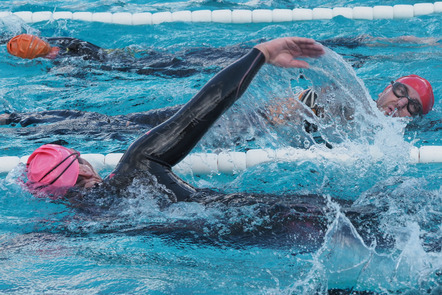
28	46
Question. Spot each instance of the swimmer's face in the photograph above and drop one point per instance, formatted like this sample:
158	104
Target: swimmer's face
87	176
396	105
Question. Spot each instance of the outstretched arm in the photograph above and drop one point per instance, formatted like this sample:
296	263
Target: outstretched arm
168	143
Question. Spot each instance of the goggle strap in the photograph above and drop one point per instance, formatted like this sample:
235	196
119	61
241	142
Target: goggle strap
56	166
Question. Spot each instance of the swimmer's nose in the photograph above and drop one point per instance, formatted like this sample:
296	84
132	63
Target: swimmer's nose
401	102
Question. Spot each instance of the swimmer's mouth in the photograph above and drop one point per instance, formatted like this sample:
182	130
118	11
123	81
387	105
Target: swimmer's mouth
391	112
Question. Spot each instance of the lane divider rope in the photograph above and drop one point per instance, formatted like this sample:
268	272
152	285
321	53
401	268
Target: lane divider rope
233	162
237	16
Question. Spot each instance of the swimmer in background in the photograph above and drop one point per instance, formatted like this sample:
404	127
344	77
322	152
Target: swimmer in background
182	64
408	96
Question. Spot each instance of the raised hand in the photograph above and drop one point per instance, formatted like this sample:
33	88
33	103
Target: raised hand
283	52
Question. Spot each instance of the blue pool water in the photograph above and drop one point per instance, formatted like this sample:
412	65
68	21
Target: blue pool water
48	248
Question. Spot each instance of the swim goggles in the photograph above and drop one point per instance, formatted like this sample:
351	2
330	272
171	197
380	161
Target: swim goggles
414	107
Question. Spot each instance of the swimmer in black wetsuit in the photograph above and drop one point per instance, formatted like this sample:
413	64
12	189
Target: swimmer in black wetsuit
61	173
238	129
182	64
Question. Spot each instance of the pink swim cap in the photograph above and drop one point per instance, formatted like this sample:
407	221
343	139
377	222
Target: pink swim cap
52	169
423	87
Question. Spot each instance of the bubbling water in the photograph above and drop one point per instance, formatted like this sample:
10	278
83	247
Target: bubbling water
349	122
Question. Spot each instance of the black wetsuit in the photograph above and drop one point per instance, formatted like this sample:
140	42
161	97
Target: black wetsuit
149	62
58	126
75	47
182	64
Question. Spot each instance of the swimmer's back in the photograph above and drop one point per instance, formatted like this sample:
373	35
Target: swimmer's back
75	47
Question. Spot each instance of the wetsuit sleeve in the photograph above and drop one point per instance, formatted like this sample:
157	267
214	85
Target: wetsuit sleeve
75	47
167	144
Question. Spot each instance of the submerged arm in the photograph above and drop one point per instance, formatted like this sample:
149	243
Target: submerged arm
26	119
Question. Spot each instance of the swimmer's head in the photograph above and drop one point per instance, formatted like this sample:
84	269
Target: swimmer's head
52	169
423	88
28	46
408	96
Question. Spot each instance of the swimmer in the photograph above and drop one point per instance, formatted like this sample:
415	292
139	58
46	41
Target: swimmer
61	173
181	64
31	46
148	62
407	96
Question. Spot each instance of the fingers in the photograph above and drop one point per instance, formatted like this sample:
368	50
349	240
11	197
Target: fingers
314	50
298	64
283	51
307	47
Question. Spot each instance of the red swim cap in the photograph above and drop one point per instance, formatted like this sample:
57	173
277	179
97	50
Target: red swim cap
52	169
423	87
28	46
